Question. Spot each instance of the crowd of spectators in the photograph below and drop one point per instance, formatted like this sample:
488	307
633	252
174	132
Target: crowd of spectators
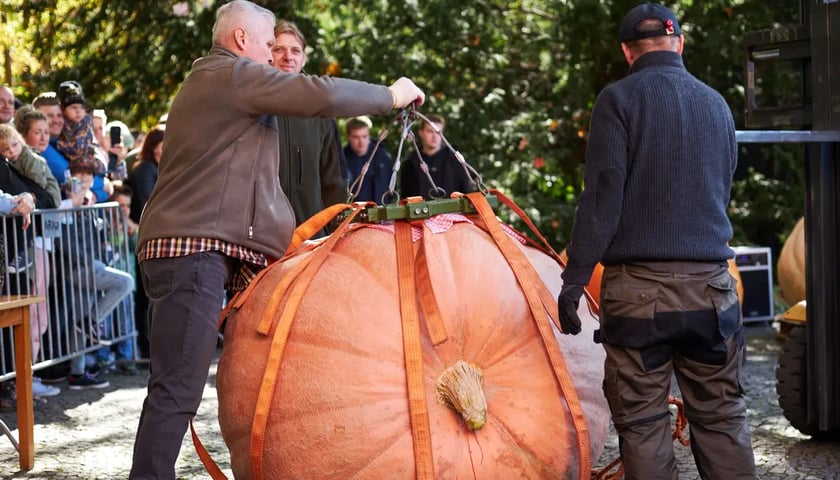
58	155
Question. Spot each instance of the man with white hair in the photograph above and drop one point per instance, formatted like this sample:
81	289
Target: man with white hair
217	213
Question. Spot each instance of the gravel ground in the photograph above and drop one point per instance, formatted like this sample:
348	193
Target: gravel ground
89	434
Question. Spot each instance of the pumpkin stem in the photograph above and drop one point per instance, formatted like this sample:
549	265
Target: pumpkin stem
459	388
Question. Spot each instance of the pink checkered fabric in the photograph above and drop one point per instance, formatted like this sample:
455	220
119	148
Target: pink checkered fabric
439	224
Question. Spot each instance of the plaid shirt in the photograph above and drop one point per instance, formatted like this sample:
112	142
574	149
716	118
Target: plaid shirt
251	262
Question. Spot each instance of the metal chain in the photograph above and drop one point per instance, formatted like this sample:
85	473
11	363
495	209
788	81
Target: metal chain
407	118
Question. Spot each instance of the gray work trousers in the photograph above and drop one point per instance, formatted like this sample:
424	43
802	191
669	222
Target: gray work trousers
185	300
675	318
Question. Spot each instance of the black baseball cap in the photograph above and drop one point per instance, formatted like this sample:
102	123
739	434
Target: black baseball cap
647	11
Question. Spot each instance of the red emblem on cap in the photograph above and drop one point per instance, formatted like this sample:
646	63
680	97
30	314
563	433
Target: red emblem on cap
669	27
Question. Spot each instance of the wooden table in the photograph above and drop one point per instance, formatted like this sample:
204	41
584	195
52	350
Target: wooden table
14	312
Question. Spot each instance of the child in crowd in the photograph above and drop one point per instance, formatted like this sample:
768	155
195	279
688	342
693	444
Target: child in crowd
81	252
77	141
26	161
79	179
120	355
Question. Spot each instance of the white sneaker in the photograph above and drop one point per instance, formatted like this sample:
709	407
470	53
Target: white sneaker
41	390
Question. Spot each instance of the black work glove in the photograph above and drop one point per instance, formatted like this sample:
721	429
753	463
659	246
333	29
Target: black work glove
567	306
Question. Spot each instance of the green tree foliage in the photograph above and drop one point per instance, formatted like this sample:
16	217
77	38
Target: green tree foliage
129	56
515	79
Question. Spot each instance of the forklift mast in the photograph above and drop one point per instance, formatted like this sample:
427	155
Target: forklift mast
813	47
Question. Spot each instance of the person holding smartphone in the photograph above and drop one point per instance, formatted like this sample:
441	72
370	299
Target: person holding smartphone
109	140
117	150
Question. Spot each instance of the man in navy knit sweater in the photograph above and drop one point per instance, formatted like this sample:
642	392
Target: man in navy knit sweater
659	166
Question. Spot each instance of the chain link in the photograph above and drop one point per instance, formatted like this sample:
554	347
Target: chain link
406	120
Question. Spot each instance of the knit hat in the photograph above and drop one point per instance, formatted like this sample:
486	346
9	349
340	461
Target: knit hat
646	11
70	92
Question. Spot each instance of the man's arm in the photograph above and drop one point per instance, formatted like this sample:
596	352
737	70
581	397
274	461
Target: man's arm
600	204
262	89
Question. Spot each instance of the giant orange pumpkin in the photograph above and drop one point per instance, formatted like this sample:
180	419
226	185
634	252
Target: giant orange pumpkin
790	269
340	408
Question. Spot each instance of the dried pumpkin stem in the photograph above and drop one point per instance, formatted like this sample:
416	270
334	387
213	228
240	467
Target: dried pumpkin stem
459	388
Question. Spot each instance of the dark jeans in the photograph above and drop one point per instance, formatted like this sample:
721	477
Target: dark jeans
185	300
141	309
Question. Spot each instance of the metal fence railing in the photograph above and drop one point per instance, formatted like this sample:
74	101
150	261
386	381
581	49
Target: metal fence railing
77	259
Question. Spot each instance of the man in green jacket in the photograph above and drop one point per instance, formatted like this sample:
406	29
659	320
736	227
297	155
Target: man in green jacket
217	213
311	163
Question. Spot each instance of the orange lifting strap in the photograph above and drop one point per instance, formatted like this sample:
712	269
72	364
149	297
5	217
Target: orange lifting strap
542	303
414	289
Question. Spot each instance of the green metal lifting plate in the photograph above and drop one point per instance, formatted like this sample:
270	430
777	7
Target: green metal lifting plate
424	209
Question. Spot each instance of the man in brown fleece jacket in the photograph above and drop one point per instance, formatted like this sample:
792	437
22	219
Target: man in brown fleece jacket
217	213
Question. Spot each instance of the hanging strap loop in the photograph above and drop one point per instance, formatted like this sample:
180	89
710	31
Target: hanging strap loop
528	280
413	352
297	289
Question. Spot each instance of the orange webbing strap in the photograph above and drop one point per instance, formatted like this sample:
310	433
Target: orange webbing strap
527	220
279	294
281	289
681	421
241	296
606	474
209	464
413	351
547	248
315	224
548	300
679	430
302	233
528	280
278	342
426	295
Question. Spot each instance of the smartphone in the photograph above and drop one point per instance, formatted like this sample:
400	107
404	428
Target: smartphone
75	184
116	139
116	135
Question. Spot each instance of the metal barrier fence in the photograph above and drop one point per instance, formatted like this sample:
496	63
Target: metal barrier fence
79	260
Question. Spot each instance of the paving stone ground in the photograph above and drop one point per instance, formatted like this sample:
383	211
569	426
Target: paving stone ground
89	434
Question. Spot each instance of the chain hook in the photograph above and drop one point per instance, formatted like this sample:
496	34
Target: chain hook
407	118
